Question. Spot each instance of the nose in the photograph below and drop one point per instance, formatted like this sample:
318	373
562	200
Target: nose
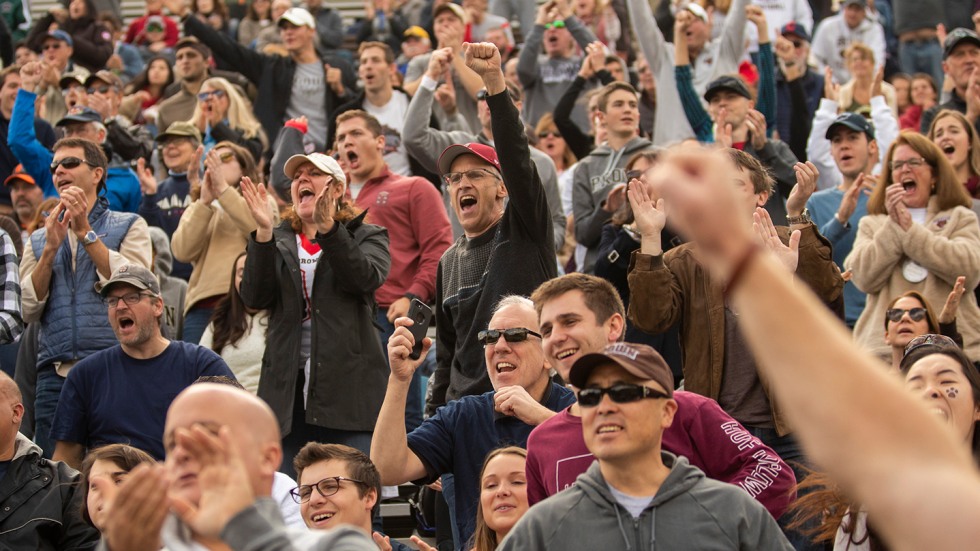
501	346
504	489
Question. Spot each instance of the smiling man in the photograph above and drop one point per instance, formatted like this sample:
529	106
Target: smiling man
457	438
82	243
627	403
121	394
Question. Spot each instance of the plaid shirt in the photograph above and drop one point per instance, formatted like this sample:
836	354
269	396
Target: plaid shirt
11	320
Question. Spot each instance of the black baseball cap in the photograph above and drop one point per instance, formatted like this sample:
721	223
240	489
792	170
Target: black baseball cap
80	114
853	121
956	37
727	82
796	30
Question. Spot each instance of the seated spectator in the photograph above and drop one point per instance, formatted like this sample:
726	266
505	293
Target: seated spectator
91	43
339	485
111	463
120	395
503	497
173	290
135	34
164	203
126	60
545	74
42	497
952	132
961	52
855	94
222	114
25	195
835	34
238	333
456	439
145	91
923	96
258	17
920	234
56	60
627	403
322	373
212	232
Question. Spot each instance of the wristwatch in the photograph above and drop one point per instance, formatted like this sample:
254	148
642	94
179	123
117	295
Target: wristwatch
90	237
803	218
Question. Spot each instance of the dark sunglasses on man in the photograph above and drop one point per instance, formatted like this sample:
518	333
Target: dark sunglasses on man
621	394
514	334
69	163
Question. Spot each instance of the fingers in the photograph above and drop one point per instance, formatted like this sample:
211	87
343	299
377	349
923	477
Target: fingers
794	241
383	542
421	544
142	497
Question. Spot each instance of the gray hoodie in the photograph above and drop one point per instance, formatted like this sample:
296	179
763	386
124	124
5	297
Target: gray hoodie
594	177
689	512
173	289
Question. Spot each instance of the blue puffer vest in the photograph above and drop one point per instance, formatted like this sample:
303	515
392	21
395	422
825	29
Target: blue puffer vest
74	324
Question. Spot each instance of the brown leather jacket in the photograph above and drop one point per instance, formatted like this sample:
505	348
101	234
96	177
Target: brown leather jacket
676	286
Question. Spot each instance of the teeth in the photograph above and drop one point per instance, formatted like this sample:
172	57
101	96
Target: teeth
467	200
505	365
322	516
608	428
566	353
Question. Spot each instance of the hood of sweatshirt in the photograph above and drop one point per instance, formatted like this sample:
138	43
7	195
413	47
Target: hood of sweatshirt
683	476
164	261
24	446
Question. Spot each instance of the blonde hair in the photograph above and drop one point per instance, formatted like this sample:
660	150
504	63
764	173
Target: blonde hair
239	115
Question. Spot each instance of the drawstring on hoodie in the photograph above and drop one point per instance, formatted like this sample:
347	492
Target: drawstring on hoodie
653	528
622	530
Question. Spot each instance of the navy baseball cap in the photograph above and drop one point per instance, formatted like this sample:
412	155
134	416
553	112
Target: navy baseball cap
956	37
730	83
80	114
853	121
61	35
796	30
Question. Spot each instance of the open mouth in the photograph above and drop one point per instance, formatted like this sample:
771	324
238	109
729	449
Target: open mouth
506	367
322	517
467	203
845	158
353	161
908	186
608	429
948	149
566	353
126	322
306	194
552	40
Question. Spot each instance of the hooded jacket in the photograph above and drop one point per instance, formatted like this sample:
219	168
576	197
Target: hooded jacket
689	512
594	177
173	289
39	508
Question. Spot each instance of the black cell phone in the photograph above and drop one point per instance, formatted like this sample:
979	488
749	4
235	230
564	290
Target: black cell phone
421	314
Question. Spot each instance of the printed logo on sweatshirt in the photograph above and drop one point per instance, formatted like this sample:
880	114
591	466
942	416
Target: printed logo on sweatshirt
559	72
602	181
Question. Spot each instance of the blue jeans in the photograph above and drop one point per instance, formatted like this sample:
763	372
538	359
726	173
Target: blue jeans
46	396
449	493
195	322
416	400
790	451
922	57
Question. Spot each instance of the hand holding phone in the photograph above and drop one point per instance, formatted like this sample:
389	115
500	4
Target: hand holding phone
421	316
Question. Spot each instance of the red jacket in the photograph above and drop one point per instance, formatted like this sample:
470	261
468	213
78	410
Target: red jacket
135	33
418	230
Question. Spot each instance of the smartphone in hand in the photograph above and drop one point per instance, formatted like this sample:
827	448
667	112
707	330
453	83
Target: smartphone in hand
421	315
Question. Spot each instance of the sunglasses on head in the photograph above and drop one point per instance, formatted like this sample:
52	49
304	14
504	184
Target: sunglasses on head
621	394
69	163
205	96
514	334
939	341
895	314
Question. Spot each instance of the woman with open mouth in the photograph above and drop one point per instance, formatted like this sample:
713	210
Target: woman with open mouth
960	143
919	235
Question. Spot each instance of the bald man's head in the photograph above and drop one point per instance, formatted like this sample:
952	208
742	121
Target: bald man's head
251	422
11	413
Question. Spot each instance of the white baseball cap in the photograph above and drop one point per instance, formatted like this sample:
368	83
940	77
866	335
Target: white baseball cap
298	17
326	163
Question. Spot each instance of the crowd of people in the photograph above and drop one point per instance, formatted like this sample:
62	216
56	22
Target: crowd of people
587	274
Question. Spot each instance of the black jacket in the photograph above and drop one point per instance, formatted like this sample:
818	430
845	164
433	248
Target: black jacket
348	371
92	43
271	73
39	504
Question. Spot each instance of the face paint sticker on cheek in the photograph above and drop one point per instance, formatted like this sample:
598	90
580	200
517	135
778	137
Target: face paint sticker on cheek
952	392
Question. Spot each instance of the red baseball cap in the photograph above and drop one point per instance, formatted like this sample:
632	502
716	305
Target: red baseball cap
19	174
482	151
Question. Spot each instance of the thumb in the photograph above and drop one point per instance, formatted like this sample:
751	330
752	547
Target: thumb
794	241
183	509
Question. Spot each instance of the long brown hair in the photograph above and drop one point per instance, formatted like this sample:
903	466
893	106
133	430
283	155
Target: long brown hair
948	192
485	539
973	158
230	318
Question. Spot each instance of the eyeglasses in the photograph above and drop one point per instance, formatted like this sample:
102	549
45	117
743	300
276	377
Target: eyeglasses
621	394
473	175
326	488
205	96
131	300
558	24
551	133
895	314
104	89
514	334
931	339
69	163
72	88
52	46
912	163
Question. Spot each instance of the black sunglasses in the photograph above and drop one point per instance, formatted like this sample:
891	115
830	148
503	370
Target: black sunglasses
514	334
621	394
633	175
895	314
69	163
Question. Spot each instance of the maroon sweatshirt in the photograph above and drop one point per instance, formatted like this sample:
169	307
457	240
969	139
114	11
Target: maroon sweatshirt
702	432
418	230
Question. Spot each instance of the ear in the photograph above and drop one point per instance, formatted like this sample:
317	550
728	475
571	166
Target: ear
99	172
670	408
271	458
617	325
501	190
18	414
762	199
370	498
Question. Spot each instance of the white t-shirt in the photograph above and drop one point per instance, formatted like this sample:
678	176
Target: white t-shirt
392	118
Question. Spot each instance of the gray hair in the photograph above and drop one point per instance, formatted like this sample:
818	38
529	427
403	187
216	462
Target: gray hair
513	300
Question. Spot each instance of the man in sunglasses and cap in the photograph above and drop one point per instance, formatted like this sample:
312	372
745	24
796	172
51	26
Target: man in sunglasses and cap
627	403
457	438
